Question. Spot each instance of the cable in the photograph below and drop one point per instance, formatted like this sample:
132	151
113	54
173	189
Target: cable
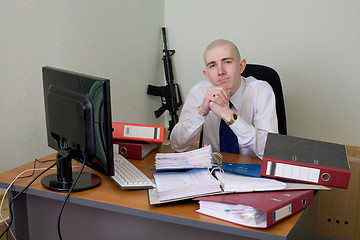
12	183
67	197
2	201
34	168
12	200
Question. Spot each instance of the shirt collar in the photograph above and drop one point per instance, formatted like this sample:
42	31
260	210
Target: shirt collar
236	97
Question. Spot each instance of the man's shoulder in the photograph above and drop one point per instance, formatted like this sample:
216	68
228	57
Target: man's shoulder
201	86
256	84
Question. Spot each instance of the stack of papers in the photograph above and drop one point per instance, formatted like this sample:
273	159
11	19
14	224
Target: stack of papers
236	213
256	209
233	182
199	158
174	185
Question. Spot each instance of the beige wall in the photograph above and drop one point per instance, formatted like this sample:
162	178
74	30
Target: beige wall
119	40
314	46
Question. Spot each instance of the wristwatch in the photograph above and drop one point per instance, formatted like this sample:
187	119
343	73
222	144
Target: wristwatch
233	119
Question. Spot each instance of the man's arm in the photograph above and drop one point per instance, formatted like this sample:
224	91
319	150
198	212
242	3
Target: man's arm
190	122
252	130
252	125
194	113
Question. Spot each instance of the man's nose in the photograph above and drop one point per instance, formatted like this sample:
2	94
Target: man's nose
221	69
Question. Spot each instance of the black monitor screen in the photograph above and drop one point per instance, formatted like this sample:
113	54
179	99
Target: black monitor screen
88	98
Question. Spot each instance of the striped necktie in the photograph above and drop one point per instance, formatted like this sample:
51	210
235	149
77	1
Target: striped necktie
228	140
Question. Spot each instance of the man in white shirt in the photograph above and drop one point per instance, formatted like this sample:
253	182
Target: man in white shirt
251	116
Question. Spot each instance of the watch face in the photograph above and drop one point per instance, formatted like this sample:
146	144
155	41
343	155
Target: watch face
235	116
233	119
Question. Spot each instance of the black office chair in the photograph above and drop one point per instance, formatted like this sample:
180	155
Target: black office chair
268	74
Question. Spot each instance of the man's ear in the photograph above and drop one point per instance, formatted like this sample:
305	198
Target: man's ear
205	73
242	65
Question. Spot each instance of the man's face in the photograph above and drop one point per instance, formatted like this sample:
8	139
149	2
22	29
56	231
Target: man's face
224	68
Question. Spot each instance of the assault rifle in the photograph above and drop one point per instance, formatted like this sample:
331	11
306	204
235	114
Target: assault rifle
170	94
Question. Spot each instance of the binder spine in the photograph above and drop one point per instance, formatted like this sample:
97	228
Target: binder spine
138	132
294	206
129	150
307	173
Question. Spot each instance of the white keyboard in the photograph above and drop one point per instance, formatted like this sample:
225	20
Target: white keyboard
127	176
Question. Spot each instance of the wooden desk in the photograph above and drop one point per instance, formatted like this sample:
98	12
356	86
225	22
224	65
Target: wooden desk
108	212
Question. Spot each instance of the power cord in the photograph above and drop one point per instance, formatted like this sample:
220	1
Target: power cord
30	175
13	199
67	197
34	168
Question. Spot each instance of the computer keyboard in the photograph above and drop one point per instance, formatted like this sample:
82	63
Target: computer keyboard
127	176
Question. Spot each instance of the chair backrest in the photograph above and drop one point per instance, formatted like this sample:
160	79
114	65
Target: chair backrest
269	75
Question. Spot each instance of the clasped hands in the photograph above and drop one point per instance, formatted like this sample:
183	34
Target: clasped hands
217	101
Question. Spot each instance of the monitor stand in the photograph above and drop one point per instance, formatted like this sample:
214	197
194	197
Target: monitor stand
63	179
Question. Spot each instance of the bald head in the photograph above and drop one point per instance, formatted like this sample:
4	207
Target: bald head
223	42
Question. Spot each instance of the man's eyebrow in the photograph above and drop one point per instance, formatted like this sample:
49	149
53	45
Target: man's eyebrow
223	59
228	58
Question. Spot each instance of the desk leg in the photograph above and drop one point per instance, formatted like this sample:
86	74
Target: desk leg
20	217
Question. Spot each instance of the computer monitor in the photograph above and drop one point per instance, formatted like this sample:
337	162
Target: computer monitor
79	126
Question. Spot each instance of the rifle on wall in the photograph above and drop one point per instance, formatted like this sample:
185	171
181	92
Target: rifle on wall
170	94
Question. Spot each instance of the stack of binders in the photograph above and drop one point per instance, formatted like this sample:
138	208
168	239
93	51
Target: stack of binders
136	141
197	173
306	163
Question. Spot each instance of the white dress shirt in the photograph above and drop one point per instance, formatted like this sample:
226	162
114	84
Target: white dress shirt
254	102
